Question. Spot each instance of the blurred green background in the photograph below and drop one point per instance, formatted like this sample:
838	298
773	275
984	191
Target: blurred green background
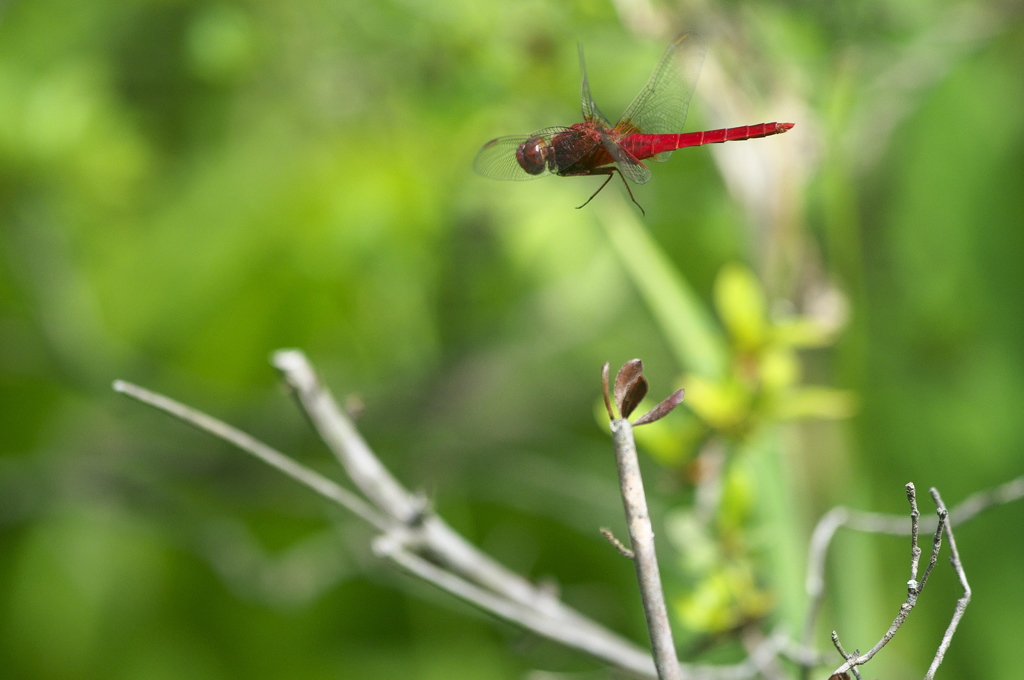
187	186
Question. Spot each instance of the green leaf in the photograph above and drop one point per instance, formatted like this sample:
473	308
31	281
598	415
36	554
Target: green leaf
672	441
802	333
816	402
740	302
780	368
723	599
720	404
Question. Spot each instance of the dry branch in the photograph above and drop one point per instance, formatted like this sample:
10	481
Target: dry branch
422	544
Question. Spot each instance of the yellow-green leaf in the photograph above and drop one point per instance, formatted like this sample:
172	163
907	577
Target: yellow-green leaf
741	304
721	405
816	402
780	368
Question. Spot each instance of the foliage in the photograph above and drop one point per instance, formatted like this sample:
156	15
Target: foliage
187	185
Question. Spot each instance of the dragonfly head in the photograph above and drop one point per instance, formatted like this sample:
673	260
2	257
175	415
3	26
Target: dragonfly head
533	155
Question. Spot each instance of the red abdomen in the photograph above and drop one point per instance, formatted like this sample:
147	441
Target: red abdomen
645	146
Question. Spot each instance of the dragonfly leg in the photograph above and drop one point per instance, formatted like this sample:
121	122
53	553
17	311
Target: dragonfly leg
630	192
610	172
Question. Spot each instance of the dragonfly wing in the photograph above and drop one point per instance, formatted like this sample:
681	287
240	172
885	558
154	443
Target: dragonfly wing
497	158
627	164
590	110
661	106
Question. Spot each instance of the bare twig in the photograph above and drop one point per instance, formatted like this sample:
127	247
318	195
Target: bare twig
272	457
514	612
983	500
617	544
936	545
816	553
801	655
586	634
641	537
879	523
769	649
374	480
961	604
915	549
768	666
341	437
913	587
842	653
434	536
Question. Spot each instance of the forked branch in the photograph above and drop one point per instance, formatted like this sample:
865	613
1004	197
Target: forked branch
914	587
422	544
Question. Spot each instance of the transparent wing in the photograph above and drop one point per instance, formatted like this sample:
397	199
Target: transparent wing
497	158
661	106
590	110
627	164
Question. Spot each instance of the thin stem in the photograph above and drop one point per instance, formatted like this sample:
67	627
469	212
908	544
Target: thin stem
434	535
913	589
983	500
878	523
514	612
936	545
842	652
967	509
827	527
641	536
617	544
915	518
961	604
768	667
341	437
300	473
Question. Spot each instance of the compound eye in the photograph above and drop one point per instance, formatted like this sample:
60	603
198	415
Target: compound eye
531	155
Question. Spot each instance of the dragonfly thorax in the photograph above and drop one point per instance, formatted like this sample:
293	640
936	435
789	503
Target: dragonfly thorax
535	155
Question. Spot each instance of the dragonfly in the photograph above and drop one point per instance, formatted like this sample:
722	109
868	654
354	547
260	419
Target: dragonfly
650	128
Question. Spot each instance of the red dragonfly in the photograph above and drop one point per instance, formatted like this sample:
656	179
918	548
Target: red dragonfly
648	129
